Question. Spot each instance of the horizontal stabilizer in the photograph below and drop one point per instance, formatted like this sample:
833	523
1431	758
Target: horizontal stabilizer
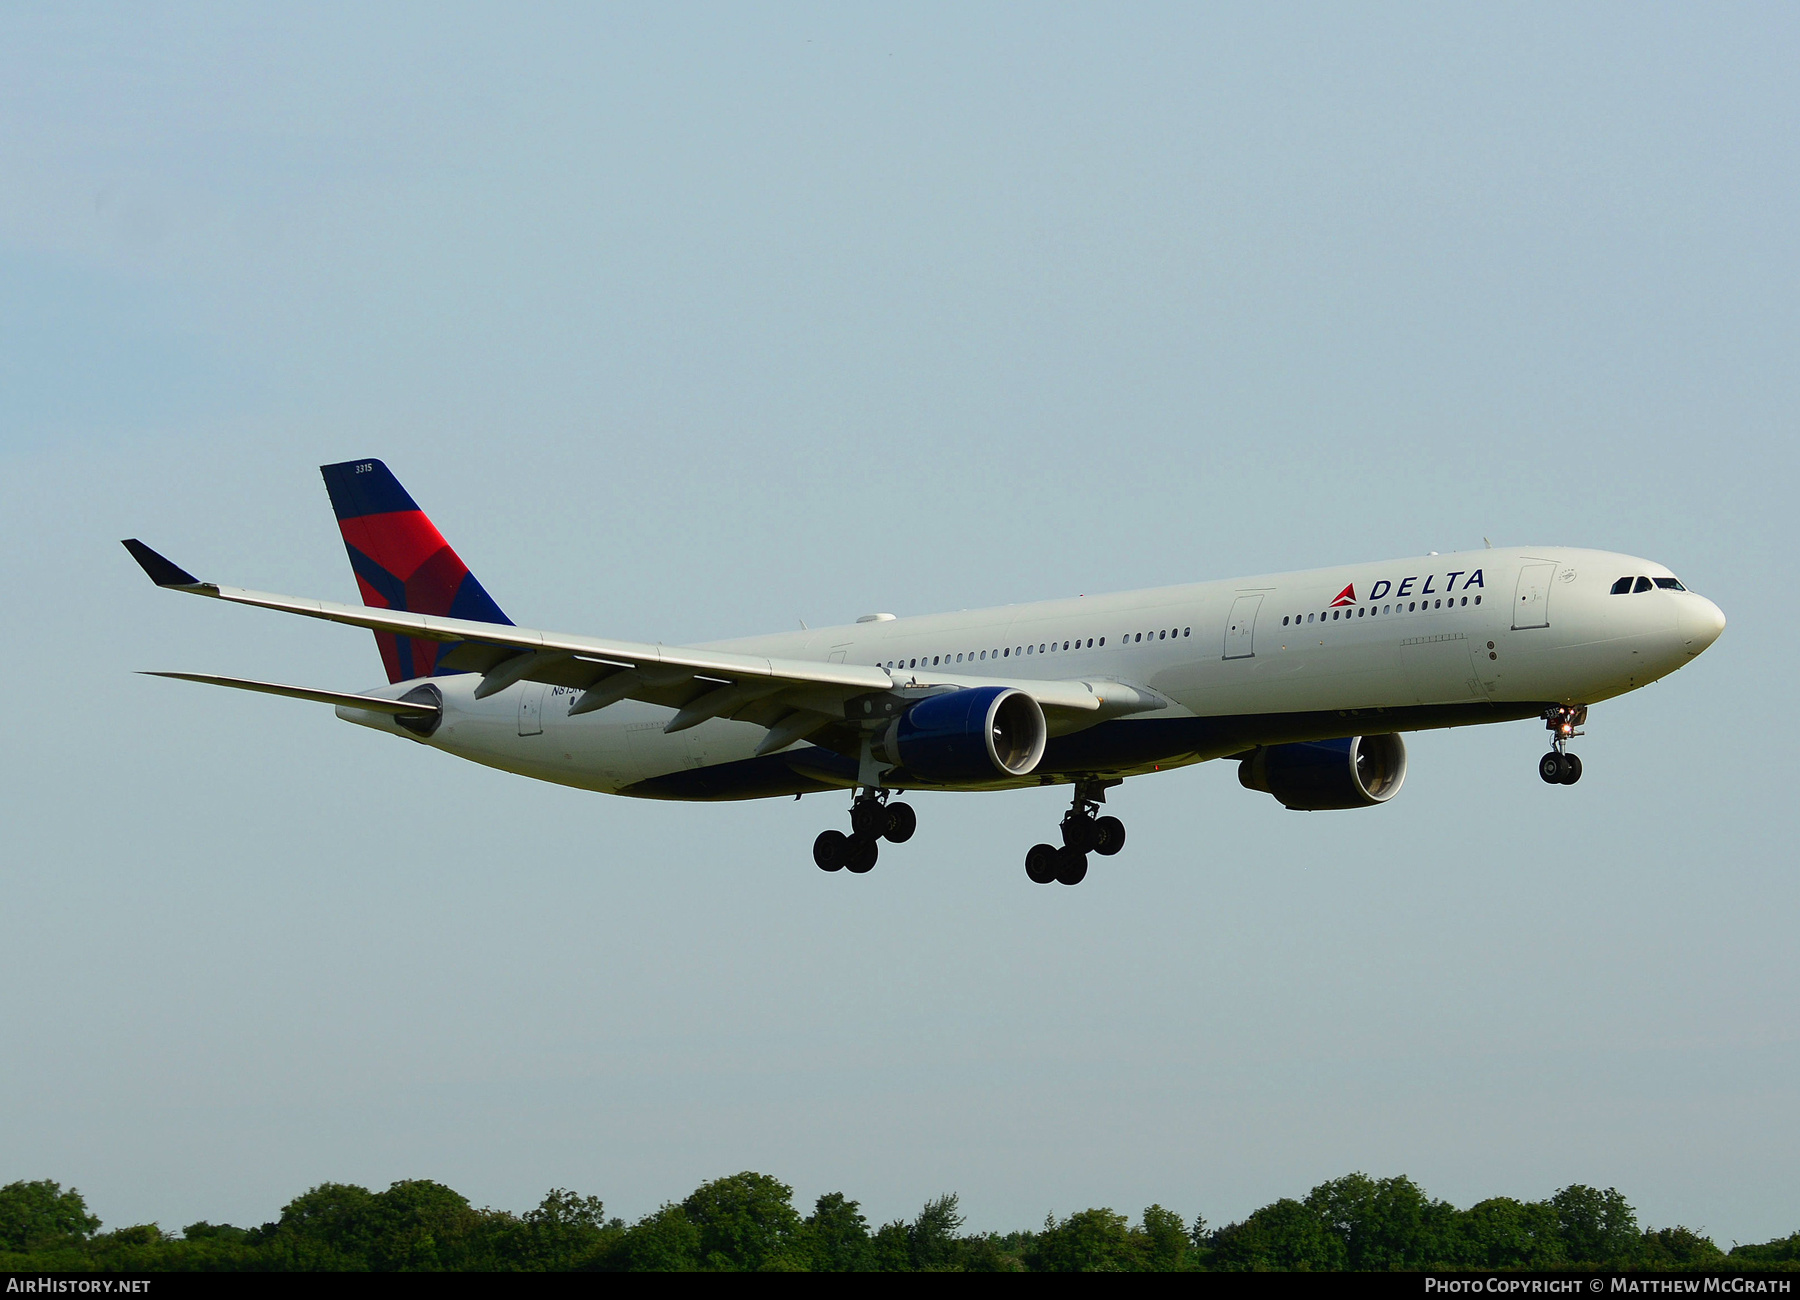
346	699
163	572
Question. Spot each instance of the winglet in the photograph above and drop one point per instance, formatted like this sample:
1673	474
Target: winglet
163	572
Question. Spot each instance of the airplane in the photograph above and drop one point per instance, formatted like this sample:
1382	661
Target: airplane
1307	680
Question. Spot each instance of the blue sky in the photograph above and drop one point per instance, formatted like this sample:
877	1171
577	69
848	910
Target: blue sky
691	322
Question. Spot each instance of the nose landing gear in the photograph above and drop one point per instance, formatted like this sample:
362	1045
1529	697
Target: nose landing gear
1084	831
872	819
1559	766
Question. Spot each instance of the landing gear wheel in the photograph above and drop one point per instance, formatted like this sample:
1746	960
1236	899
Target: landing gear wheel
901	823
1078	833
830	850
1071	866
861	854
1571	769
1551	767
1109	836
1040	864
868	817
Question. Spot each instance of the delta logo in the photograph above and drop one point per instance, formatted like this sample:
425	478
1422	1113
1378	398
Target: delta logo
1404	588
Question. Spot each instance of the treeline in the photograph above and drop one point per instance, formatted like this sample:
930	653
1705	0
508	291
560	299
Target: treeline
748	1222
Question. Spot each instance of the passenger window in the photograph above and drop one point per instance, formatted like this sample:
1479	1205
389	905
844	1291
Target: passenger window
1102	640
1187	631
1643	584
1622	586
1309	618
1478	600
1284	620
1361	612
1669	584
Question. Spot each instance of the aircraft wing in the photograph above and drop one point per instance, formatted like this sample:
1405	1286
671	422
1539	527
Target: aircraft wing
794	698
344	699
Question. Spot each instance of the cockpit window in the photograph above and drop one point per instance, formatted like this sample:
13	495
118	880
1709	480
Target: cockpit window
1670	584
1643	584
1622	586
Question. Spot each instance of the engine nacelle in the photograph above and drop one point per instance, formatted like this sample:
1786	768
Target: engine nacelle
985	733
1316	775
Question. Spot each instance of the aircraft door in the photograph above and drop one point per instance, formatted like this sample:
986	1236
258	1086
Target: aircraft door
1240	628
531	709
1531	602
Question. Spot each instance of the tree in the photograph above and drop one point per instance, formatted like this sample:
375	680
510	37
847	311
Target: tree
1286	1236
204	1231
1503	1233
1596	1227
423	1226
38	1214
564	1232
330	1227
416	1225
838	1235
1090	1241
993	1253
932	1237
1166	1244
1677	1247
890	1249
664	1242
746	1221
1386	1223
1779	1251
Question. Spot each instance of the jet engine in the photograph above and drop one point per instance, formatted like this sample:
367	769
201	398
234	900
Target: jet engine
985	733
1316	775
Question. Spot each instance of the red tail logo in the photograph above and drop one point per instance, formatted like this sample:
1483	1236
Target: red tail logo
1345	597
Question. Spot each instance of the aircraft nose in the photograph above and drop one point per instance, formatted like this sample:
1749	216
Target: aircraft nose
1701	623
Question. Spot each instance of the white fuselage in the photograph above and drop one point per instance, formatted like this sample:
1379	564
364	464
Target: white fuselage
1441	640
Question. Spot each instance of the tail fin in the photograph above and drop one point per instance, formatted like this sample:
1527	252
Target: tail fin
402	562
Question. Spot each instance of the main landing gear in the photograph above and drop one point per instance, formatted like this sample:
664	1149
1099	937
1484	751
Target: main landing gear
872	819
1084	831
1559	766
